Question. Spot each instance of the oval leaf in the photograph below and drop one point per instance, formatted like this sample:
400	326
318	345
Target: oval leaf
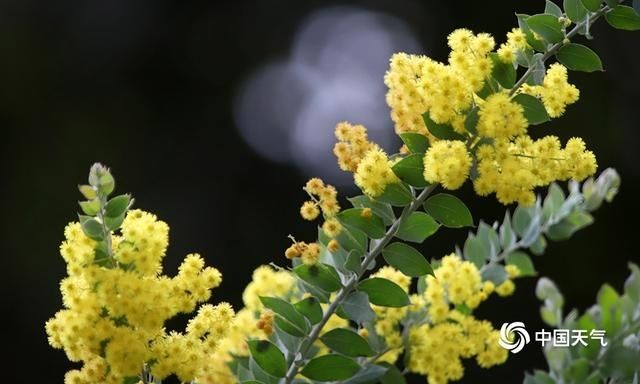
577	57
546	26
522	261
416	142
91	227
291	321
449	211
534	110
347	343
441	131
411	170
417	227
623	17
353	218
407	260
117	206
310	308
356	306
268	357
503	73
322	276
330	368
382	210
575	10
396	194
592	5
384	292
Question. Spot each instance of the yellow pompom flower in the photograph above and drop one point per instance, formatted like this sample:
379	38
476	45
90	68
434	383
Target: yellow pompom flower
499	117
116	306
332	227
447	162
374	173
352	145
309	210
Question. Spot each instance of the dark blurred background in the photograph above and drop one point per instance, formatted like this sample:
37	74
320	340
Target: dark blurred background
214	113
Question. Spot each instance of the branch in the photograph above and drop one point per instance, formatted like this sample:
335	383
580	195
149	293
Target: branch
352	283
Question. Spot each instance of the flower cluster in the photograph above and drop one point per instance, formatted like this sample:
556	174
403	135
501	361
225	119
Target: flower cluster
418	84
324	198
555	91
509	162
255	322
516	43
116	306
374	173
451	334
513	169
447	162
353	143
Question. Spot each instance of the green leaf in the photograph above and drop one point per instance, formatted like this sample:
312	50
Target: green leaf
411	170
288	318
623	17
441	131
382	210
353	239
507	236
370	374
416	142
310	308
384	292
356	306
474	251
393	375
114	223
322	276
536	44
552	9
91	227
346	342
268	357
632	284
521	220
407	260
538	70
592	5
353	261
522	261
372	226
117	206
417	227
330	368
87	191
569	225
449	211
396	194
546	26
494	273
577	57
90	207
534	110
503	73
575	10
471	121
553	202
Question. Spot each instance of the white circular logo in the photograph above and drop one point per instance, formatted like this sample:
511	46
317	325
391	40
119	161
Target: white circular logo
513	336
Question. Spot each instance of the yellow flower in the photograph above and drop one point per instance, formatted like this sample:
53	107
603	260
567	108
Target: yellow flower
447	162
309	210
499	117
374	173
